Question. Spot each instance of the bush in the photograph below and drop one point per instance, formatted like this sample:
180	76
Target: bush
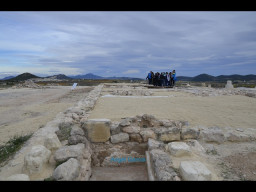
11	147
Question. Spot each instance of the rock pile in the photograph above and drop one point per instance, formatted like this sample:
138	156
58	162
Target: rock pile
28	84
132	92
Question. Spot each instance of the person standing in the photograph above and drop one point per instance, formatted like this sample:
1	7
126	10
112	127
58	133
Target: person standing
168	78
149	77
174	78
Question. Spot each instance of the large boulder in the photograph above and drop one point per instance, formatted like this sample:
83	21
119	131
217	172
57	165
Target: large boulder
52	142
119	138
73	151
85	170
67	171
36	159
162	165
77	135
194	171
65	127
97	130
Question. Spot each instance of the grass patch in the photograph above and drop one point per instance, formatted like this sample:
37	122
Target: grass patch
11	147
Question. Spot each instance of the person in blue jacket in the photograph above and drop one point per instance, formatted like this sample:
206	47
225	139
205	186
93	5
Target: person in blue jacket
149	77
174	78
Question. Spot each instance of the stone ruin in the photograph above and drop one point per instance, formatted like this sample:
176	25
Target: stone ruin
72	144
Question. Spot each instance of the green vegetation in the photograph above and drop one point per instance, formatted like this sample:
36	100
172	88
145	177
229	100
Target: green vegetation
11	147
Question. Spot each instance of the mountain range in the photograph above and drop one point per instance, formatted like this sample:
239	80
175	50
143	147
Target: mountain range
220	78
199	78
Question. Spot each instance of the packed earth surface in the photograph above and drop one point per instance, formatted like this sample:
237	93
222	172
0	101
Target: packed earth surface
130	131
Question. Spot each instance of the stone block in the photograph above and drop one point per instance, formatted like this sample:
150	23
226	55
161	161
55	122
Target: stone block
189	133
131	129
52	142
97	130
72	151
168	134
119	138
162	165
136	137
212	134
194	171
146	134
77	131
179	149
114	128
154	144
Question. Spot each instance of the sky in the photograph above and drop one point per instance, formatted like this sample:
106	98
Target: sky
127	43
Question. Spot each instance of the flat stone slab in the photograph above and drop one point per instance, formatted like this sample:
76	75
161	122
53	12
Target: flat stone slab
97	130
194	171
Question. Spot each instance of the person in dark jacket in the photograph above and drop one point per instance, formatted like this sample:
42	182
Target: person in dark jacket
170	81
162	79
174	78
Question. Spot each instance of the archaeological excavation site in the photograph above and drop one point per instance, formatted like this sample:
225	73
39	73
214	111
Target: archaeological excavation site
134	132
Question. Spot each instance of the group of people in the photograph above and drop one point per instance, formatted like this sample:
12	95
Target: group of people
162	79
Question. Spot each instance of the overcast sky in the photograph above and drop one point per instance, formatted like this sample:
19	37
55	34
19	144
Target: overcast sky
122	43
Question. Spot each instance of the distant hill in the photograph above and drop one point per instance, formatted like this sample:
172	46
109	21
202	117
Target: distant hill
23	77
87	76
220	78
203	77
59	76
184	78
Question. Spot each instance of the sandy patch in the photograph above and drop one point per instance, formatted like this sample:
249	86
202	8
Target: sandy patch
25	110
224	111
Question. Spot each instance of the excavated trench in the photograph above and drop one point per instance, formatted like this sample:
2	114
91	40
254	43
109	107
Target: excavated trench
130	165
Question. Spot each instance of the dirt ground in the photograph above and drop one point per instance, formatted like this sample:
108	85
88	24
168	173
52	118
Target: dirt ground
229	161
25	110
224	111
124	173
